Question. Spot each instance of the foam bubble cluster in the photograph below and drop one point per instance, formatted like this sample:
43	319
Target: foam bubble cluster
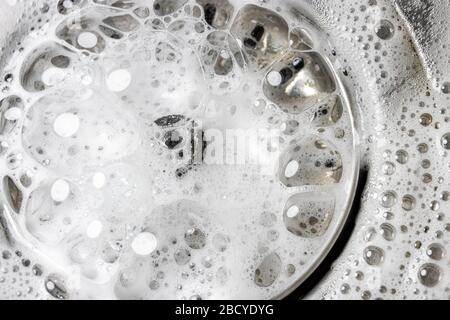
123	123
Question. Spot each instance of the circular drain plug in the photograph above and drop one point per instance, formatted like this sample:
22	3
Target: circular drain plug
191	150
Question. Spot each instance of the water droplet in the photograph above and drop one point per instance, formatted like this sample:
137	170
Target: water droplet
388	231
429	275
436	251
408	202
426	119
445	141
402	156
388	199
374	256
445	88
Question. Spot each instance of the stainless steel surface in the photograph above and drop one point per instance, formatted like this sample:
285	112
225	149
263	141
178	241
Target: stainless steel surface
390	63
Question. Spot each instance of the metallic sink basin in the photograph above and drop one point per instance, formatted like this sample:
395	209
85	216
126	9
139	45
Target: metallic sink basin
218	149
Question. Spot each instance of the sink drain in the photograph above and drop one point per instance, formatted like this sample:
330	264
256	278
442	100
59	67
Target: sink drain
185	150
